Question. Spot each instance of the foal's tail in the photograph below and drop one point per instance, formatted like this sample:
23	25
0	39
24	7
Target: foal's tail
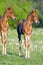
18	31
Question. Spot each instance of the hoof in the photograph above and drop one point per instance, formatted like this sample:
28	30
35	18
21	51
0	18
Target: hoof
26	57
4	53
19	54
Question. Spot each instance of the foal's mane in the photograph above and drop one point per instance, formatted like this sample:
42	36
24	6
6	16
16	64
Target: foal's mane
9	8
31	13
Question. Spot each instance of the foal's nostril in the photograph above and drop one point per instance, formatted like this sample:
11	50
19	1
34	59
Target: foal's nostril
38	22
15	18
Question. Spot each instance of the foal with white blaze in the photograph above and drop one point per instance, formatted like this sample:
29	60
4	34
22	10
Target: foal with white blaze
25	28
4	26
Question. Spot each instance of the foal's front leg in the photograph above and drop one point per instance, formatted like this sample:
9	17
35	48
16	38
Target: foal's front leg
27	45
4	37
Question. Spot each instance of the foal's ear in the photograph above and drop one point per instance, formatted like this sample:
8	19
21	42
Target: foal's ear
10	8
33	11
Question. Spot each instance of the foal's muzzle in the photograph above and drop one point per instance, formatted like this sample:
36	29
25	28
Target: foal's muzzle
15	18
38	22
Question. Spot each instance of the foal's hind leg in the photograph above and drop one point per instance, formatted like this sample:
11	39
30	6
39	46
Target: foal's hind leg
4	36
20	42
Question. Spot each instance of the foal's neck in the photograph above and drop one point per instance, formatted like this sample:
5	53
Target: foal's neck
5	17
29	20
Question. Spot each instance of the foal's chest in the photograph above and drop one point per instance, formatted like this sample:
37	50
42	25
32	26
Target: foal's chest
28	28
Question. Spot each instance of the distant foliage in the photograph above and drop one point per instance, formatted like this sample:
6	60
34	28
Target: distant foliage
21	8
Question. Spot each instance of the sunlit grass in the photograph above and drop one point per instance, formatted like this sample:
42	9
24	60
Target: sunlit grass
36	49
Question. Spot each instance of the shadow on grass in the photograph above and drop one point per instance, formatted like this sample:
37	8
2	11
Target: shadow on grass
0	53
9	53
22	56
17	55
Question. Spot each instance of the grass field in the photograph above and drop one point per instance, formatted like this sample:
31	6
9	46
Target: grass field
36	49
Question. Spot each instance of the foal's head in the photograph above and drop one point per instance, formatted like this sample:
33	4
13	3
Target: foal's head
10	13
34	16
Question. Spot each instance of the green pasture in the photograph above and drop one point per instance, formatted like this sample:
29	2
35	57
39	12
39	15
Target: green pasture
36	49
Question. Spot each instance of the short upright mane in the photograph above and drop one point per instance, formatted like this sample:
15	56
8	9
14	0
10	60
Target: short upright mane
9	8
29	14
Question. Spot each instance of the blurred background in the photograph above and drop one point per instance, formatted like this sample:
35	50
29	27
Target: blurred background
21	9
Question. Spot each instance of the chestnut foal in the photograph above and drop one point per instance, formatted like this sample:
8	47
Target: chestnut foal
4	26
25	27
